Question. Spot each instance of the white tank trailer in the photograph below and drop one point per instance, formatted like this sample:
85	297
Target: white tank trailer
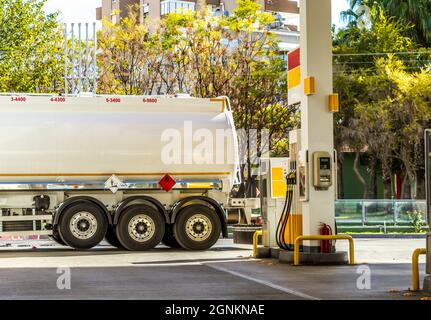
131	169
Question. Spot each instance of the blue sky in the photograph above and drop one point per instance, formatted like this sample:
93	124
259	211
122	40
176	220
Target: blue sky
85	10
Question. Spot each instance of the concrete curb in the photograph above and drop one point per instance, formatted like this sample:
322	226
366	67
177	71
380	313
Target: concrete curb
388	236
305	258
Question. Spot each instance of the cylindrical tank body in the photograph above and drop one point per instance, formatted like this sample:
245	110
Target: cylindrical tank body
61	139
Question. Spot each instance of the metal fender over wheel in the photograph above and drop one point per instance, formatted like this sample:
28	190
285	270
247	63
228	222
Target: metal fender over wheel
82	225
197	227
56	237
169	238
140	227
111	238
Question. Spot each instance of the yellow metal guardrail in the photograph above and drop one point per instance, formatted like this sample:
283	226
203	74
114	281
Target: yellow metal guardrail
415	268
256	236
343	237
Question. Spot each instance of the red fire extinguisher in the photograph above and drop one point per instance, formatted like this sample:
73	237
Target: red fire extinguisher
325	245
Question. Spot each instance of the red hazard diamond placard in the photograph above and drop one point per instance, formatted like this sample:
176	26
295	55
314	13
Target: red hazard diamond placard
167	183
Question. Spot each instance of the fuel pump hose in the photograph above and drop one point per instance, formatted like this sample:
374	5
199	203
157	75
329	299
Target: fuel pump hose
285	214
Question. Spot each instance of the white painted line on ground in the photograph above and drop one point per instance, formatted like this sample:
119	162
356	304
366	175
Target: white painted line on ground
191	263
265	283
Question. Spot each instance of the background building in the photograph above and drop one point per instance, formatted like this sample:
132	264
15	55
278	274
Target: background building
286	12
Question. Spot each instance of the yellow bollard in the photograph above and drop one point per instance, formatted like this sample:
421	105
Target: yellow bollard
256	236
299	239
415	268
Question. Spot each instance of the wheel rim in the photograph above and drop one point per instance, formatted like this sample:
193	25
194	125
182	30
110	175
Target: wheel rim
83	225
198	227
141	228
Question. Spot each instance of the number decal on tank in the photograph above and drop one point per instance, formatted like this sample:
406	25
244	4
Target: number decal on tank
18	99
58	99
150	100
113	100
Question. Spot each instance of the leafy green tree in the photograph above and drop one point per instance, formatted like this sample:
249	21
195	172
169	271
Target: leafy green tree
362	125
385	117
410	12
354	47
128	57
206	56
31	48
410	116
384	111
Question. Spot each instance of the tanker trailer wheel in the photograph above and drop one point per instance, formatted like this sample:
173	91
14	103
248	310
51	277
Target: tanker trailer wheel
56	237
169	238
197	227
112	239
82	225
140	228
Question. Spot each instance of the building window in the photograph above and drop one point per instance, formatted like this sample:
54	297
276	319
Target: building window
169	6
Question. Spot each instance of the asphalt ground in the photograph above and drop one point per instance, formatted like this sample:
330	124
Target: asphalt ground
44	270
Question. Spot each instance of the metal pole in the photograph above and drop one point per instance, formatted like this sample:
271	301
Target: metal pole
395	207
79	59
363	213
95	59
73	58
66	58
87	56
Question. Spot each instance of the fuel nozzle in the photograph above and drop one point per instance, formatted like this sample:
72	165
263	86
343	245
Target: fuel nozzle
291	178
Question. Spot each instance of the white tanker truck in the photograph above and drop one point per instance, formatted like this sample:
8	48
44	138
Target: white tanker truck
83	168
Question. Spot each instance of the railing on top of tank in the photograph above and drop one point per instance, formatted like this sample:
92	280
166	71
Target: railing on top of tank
380	211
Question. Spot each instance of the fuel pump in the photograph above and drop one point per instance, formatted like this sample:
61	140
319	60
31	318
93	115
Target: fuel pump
273	197
285	188
311	200
281	210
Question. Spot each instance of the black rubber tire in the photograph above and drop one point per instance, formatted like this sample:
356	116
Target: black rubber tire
67	235
180	227
122	228
169	238
112	239
56	237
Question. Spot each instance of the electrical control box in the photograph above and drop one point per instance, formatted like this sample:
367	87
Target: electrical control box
322	170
